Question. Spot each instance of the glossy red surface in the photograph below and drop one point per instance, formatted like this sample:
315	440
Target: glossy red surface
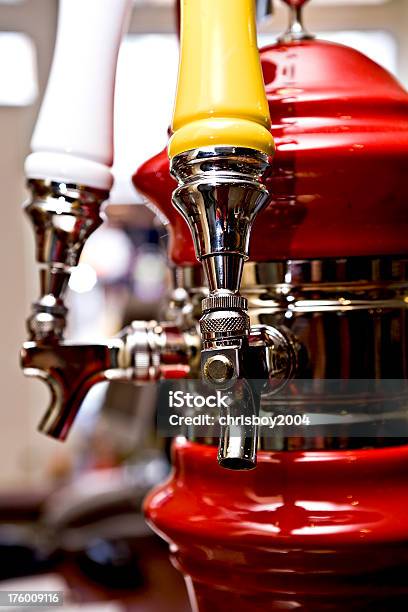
338	181
308	531
153	180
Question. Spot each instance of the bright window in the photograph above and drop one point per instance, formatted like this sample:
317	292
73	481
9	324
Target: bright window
18	70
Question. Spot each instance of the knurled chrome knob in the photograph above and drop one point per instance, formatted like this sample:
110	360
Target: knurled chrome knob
224	301
224	321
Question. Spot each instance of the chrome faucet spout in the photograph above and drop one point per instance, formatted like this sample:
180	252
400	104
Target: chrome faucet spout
239	433
69	370
144	352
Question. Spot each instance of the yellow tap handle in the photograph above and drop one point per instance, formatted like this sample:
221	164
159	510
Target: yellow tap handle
220	93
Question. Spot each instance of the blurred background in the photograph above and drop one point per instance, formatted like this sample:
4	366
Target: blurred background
57	500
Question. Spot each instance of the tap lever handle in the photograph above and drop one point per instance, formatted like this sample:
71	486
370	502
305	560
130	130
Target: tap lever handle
220	94
73	139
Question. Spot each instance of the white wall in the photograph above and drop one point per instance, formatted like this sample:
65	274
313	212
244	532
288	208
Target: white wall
20	398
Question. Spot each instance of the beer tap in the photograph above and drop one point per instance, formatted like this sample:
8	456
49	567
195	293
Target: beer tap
220	151
69	178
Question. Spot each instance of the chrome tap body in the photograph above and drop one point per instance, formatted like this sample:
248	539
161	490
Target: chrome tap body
63	216
220	193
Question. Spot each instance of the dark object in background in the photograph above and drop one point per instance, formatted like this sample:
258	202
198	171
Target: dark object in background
112	563
21	554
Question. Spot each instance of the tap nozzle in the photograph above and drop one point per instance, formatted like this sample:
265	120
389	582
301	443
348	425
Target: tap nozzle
145	351
220	193
225	330
239	435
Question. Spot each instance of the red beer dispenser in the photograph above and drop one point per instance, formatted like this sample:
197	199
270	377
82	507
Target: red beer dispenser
320	523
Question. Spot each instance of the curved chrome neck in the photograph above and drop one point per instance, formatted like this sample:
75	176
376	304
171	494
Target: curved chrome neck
296	31
219	195
63	216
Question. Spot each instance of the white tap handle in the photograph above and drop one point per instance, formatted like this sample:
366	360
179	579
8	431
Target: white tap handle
73	138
